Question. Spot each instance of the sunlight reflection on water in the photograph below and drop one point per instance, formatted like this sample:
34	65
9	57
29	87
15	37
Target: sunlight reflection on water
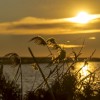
86	69
91	68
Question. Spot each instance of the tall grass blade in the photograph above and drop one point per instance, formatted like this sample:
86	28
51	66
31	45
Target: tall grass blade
41	73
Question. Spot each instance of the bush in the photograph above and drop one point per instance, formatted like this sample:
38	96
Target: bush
8	89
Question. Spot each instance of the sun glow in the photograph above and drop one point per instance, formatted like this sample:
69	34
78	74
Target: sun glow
82	18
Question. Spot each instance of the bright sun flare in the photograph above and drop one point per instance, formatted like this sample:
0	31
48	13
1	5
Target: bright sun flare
82	18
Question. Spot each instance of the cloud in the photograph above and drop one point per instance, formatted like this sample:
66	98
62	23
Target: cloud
92	38
70	46
32	25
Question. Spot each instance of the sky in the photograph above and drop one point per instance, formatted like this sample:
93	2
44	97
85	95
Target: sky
21	20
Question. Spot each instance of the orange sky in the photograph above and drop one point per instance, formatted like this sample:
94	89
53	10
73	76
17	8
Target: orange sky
21	19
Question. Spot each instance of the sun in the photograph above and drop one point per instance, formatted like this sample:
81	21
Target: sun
82	18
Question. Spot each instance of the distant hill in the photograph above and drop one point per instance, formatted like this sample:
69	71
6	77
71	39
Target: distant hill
29	60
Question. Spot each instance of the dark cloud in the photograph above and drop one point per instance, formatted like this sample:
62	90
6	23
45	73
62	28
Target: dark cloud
68	26
40	26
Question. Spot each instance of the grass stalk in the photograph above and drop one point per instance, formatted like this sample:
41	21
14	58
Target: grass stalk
21	81
43	76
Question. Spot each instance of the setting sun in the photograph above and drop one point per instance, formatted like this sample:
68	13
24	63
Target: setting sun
82	18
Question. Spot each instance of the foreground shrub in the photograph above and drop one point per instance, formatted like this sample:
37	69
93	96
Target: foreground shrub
8	89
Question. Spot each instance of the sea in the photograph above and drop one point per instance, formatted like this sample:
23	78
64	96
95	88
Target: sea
31	77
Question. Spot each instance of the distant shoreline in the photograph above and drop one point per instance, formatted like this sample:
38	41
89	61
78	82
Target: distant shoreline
29	60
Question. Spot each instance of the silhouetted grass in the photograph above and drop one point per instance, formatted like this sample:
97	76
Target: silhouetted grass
67	84
8	90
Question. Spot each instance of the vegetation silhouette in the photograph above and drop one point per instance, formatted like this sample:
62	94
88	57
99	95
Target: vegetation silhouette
67	84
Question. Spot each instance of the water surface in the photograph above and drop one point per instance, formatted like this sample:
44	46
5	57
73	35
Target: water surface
30	74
